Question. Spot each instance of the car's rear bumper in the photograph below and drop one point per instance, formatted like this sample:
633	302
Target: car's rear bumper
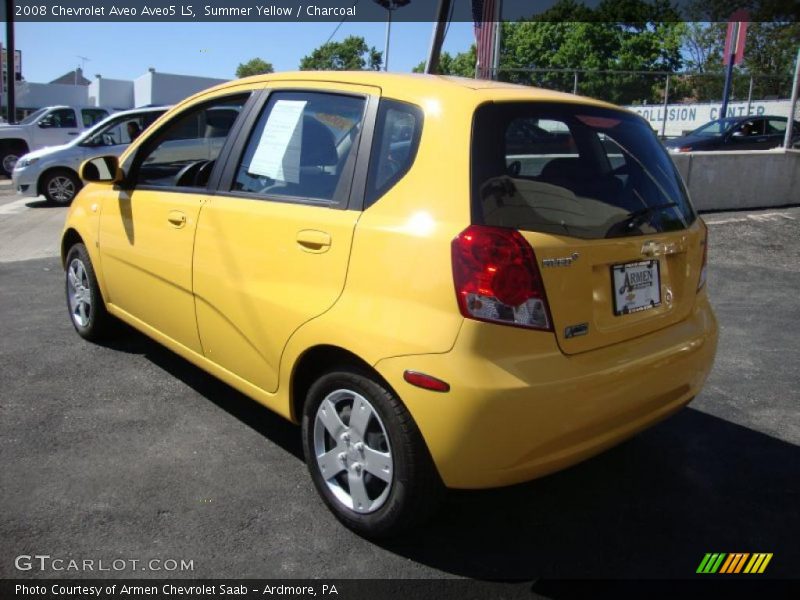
518	408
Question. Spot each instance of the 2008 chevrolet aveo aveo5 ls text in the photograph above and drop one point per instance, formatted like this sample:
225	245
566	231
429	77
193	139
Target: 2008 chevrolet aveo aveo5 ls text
449	283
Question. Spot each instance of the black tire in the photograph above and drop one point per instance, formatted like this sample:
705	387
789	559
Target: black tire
92	323
9	154
415	490
60	186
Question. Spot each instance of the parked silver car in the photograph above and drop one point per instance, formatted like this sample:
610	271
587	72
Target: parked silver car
53	172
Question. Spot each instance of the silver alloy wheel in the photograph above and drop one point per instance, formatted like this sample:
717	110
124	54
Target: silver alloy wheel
79	293
352	450
9	162
61	189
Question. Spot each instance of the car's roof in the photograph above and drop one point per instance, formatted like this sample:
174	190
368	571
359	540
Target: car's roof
143	109
80	106
749	118
415	86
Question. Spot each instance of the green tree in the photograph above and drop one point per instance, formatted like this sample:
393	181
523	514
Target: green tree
254	66
770	50
769	55
571	36
351	54
462	64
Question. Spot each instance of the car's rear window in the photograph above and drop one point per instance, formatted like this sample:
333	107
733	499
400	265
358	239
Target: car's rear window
573	170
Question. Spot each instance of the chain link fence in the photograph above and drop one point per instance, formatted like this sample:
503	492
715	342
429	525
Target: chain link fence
653	87
673	102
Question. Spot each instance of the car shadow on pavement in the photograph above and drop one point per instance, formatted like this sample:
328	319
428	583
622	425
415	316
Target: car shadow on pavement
651	507
259	418
41	203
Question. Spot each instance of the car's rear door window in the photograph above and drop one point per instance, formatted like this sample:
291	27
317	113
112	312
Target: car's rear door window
302	147
581	171
394	148
776	126
92	116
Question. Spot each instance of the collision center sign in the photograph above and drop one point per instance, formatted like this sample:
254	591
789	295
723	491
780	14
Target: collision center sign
683	118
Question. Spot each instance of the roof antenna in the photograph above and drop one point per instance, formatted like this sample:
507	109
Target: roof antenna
84	60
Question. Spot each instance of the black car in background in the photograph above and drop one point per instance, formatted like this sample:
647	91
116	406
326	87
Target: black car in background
736	133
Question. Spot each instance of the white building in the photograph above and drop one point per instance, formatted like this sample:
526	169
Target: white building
113	93
166	88
151	88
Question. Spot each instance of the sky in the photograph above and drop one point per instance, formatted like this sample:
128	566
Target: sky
127	50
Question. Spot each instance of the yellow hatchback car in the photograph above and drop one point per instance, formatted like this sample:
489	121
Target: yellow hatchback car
449	283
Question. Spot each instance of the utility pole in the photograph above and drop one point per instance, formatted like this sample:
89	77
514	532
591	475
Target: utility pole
498	40
388	38
787	141
734	52
666	108
10	67
726	92
437	39
389	5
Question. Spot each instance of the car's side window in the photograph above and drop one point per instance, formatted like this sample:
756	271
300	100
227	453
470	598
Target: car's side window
546	139
394	147
184	150
751	127
92	116
300	147
63	118
123	130
776	126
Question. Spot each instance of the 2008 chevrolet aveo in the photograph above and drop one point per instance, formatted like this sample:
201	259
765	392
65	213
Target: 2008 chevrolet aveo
449	283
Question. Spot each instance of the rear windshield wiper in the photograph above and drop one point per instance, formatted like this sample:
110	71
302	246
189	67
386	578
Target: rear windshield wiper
636	218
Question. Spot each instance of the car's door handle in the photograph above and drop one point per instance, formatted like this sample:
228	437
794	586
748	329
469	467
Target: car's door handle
761	139
72	133
312	240
176	218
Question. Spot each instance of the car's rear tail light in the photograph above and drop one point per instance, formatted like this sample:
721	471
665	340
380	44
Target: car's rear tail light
704	267
497	279
685	149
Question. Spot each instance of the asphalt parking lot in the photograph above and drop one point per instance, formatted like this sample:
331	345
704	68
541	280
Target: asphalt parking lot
127	451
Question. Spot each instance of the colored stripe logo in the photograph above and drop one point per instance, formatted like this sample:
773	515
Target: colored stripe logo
733	563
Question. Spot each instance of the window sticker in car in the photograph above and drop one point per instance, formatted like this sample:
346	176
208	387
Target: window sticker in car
278	153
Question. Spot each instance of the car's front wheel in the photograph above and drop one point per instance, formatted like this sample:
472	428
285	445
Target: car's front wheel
87	310
366	456
60	186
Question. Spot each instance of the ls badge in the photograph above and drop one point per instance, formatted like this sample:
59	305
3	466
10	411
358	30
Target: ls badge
576	330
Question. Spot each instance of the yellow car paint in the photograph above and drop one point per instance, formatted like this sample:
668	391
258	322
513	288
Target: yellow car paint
267	282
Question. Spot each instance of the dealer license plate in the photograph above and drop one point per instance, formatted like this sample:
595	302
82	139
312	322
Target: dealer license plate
637	286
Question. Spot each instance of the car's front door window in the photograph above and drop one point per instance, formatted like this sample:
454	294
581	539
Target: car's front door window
63	118
184	150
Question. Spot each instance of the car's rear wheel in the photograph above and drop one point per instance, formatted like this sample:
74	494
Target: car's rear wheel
366	456
60	186
87	310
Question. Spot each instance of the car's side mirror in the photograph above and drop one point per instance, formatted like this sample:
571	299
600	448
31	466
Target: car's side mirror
103	169
739	134
45	124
